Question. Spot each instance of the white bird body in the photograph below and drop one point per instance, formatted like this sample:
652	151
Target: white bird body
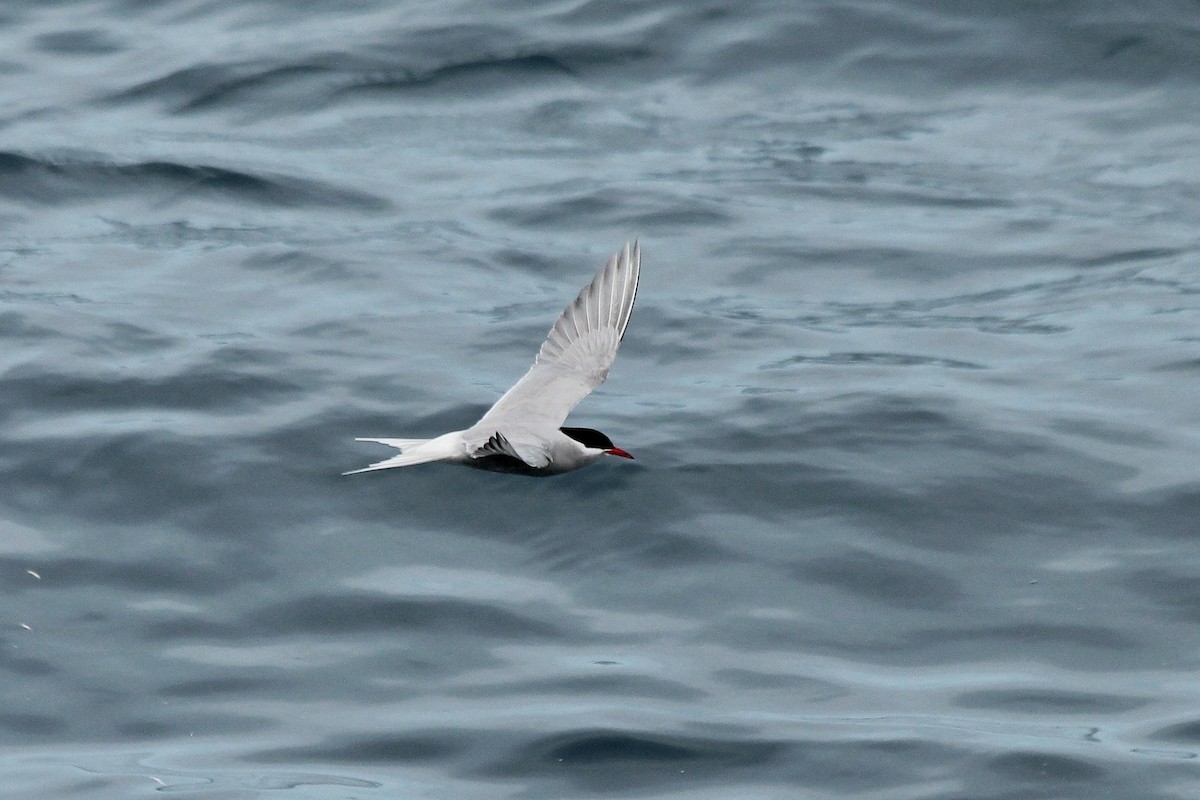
521	433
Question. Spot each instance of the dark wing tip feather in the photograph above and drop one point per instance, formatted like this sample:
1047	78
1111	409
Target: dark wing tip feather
634	274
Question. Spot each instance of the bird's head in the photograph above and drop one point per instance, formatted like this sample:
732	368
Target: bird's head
595	440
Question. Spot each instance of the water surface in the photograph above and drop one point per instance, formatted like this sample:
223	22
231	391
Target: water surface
910	383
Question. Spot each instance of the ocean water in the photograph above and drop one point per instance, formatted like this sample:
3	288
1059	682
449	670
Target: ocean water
911	384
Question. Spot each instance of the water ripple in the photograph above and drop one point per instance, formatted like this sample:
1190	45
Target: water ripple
59	181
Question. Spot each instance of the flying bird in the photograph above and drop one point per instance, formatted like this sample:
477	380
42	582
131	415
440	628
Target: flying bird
522	433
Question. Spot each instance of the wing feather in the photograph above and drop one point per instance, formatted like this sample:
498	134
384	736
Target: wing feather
576	356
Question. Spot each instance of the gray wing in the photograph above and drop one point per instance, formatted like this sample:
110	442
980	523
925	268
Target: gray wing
576	355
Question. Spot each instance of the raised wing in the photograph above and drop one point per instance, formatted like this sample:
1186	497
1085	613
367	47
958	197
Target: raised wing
576	355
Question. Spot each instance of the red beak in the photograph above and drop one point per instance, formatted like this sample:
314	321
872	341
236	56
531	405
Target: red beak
616	451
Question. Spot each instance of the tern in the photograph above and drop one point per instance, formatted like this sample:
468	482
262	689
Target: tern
522	433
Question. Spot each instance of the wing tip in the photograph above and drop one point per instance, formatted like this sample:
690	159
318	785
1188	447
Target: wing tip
634	260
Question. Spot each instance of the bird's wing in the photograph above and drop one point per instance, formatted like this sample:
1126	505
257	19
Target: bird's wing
533	452
576	355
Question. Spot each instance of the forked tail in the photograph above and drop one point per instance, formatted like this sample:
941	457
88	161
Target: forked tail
412	451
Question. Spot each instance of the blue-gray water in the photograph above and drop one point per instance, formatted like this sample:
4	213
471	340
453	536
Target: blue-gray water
911	383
